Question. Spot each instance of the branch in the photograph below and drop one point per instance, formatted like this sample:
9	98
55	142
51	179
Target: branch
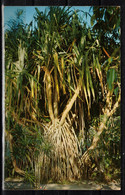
107	114
106	53
23	120
16	168
70	104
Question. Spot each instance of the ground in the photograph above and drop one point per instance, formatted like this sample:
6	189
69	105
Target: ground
14	184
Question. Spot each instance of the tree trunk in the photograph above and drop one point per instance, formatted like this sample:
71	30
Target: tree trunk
56	95
47	80
81	123
63	160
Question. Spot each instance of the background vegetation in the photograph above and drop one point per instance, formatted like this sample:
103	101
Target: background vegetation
62	95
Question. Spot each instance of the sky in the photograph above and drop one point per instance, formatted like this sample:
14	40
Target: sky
10	12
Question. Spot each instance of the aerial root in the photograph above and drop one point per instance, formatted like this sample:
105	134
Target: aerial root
63	160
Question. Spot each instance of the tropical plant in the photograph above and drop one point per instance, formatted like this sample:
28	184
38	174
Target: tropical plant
56	77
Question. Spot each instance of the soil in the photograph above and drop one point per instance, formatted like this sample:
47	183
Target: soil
19	184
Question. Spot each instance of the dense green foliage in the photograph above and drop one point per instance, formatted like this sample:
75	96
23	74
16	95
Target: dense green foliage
45	63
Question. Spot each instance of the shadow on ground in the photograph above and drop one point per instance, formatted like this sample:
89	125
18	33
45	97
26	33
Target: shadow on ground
85	185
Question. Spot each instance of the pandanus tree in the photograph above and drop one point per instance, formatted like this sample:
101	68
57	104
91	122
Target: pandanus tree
54	75
66	74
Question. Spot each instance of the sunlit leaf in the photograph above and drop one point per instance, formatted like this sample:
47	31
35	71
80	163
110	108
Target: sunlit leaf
111	76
